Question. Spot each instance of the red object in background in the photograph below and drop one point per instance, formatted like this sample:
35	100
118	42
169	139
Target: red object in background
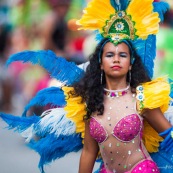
78	43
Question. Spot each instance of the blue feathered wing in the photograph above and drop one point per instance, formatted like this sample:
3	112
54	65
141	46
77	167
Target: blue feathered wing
58	67
50	133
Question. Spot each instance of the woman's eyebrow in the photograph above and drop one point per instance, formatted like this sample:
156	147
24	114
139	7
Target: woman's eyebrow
124	52
109	52
112	51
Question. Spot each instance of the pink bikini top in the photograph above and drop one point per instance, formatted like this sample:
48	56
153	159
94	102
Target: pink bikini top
125	130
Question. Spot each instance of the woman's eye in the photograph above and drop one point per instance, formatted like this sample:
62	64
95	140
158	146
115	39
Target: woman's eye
124	55
109	55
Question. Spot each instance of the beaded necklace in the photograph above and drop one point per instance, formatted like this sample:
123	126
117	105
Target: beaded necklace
116	93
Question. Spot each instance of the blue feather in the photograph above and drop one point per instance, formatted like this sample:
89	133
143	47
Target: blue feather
150	54
163	160
120	4
98	36
146	49
161	8
55	131
171	88
57	67
53	96
19	123
50	148
101	164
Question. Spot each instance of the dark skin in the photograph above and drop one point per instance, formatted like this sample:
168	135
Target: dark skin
115	64
156	119
89	152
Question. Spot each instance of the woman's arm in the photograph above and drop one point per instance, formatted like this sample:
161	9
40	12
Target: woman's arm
156	119
89	152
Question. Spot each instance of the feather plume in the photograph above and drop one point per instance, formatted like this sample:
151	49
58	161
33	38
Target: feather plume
95	15
74	107
146	49
160	95
55	121
52	96
150	54
57	67
19	123
55	131
48	135
161	8
171	88
162	158
119	4
98	36
146	21
50	148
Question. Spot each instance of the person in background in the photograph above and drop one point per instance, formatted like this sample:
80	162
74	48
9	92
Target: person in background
54	28
6	81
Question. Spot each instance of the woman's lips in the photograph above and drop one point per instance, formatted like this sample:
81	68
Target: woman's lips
116	67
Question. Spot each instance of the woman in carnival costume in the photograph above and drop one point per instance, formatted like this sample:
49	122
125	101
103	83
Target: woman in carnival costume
114	111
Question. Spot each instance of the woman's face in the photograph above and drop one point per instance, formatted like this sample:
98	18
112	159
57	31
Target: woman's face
115	60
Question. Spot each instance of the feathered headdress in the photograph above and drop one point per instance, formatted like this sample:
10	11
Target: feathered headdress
133	20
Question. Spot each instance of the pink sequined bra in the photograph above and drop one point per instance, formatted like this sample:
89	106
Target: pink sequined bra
125	130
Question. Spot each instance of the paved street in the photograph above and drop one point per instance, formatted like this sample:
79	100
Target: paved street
15	157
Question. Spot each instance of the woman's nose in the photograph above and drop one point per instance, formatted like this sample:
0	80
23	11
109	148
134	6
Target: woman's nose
116	59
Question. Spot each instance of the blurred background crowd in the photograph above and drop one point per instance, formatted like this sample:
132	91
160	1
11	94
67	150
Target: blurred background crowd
50	24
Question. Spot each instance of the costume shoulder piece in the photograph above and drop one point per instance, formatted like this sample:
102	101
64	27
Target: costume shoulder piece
153	94
150	95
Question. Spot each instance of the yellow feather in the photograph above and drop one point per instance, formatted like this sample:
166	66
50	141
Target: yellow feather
139	9
75	109
146	21
151	138
96	15
156	94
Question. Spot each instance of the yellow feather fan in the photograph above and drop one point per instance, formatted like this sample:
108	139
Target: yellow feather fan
137	21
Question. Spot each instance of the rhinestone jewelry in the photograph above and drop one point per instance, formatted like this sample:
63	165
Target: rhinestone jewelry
116	93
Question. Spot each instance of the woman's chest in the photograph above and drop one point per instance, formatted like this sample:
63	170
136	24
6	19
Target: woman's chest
120	119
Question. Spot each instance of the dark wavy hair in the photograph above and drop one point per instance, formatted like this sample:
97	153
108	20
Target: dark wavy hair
90	87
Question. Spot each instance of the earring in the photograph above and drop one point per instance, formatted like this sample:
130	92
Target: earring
129	76
101	79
